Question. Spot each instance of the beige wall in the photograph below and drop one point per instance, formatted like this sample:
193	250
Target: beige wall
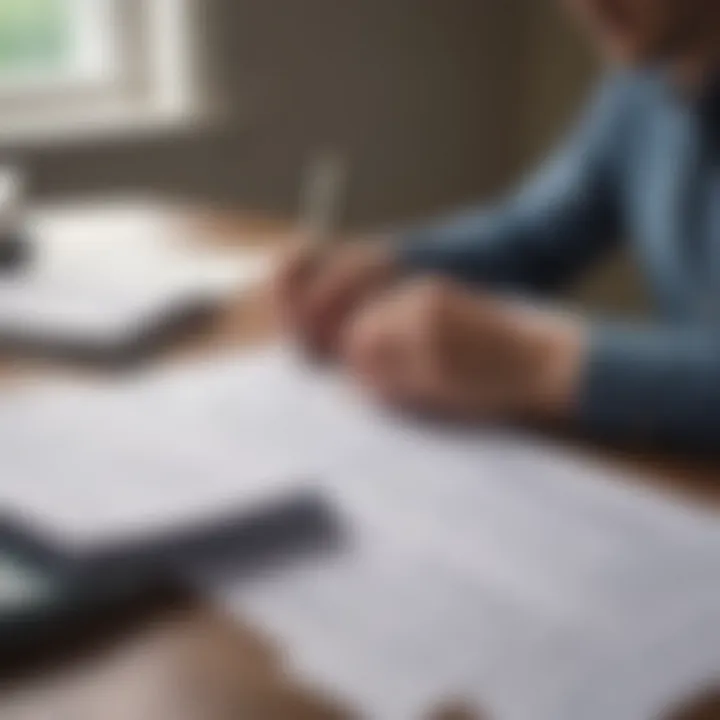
435	102
407	88
560	73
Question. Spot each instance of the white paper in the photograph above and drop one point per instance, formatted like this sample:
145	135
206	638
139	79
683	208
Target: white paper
104	277
478	564
482	565
105	465
134	245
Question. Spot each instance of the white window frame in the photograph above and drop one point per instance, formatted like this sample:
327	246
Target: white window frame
144	76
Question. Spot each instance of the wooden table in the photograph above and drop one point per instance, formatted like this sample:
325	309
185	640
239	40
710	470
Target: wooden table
176	657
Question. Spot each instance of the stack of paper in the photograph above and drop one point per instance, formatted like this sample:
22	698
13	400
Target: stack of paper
97	468
479	564
483	566
107	280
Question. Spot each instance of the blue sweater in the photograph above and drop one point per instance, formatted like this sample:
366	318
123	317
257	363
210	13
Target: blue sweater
643	165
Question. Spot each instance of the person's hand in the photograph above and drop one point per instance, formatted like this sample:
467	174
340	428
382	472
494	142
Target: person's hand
434	346
317	289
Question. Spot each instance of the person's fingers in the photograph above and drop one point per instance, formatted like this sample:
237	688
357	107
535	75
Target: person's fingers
346	277
323	308
292	277
372	350
365	342
414	349
387	350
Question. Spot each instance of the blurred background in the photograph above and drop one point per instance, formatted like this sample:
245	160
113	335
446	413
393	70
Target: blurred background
222	102
222	105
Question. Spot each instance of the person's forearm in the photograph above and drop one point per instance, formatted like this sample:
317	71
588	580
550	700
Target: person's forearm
559	222
538	242
476	246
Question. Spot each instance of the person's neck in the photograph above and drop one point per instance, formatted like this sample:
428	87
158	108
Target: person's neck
700	64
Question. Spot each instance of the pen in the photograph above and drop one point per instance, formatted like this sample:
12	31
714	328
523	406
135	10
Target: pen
321	193
321	198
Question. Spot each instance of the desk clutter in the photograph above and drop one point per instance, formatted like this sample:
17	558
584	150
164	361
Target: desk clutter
110	281
471	563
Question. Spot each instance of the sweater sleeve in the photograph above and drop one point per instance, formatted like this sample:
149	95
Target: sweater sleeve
654	384
554	227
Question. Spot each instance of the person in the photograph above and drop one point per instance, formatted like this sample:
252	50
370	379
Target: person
435	318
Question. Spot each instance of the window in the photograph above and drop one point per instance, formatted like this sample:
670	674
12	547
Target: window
75	65
34	36
43	41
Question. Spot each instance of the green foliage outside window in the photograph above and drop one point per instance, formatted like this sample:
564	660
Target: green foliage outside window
34	34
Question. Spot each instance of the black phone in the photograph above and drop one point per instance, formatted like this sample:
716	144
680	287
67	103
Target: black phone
46	597
16	252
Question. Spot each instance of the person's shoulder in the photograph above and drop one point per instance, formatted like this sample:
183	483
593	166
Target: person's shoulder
623	102
629	91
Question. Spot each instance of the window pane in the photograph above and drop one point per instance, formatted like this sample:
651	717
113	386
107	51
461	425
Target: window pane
35	35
